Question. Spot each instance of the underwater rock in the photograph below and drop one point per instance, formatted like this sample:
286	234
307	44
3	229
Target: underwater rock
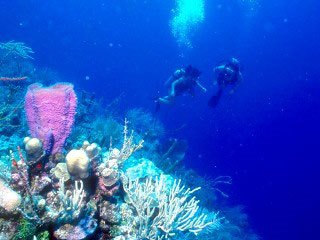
85	228
128	221
115	154
93	150
69	231
39	183
120	238
9	199
127	226
109	177
5	167
7	229
108	174
78	163
140	168
41	204
108	180
111	158
109	212
60	171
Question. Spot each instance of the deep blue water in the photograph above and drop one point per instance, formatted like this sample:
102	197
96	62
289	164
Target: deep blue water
266	136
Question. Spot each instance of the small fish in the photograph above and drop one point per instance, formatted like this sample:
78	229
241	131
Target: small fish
39	166
14	163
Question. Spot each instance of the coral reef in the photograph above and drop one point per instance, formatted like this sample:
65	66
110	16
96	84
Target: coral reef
73	211
100	181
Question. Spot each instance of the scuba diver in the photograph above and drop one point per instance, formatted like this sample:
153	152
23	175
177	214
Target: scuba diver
227	74
182	81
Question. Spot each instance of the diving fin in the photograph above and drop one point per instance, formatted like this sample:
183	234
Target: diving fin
214	100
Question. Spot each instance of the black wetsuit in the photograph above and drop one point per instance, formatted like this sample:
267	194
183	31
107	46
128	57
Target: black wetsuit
228	75
187	85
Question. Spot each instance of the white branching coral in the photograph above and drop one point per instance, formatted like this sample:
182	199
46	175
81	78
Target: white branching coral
128	146
162	214
71	202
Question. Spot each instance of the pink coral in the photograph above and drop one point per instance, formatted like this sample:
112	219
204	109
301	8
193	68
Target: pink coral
50	114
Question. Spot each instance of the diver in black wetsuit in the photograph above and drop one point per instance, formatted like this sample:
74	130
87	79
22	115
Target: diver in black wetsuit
182	81
227	74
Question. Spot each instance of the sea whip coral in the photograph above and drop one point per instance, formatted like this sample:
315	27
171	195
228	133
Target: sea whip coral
50	114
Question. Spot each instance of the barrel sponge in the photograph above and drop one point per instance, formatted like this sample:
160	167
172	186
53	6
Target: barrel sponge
78	163
9	199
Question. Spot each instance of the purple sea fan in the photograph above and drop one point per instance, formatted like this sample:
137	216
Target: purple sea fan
50	114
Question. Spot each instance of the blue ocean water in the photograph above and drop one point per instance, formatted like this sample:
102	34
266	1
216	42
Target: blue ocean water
265	135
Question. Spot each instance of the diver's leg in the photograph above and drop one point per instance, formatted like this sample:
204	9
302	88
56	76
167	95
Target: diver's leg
172	92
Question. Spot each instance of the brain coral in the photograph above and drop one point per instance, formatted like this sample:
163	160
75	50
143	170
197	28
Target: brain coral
78	163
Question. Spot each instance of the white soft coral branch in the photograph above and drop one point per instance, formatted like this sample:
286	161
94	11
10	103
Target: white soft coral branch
161	213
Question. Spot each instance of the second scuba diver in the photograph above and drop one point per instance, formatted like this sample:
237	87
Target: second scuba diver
227	74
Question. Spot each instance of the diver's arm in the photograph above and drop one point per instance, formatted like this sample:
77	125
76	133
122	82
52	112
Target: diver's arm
219	68
201	87
175	76
166	99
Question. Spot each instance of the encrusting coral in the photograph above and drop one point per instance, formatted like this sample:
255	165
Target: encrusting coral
60	171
